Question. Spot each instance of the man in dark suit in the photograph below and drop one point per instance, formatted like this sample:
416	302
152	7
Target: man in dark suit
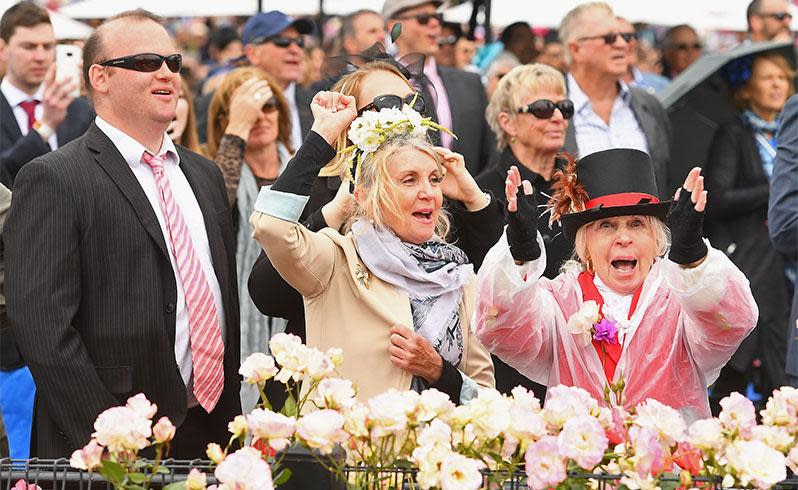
609	113
455	98
37	112
119	255
783	216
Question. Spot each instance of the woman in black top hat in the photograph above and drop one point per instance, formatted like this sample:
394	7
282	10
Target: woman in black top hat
622	313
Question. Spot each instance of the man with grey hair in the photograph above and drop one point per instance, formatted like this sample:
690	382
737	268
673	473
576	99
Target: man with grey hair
769	20
360	30
608	113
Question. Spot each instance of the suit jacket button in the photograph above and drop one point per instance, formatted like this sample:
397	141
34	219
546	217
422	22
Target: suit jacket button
170	308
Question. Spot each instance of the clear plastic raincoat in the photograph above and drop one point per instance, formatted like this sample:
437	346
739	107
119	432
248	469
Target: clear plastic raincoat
687	324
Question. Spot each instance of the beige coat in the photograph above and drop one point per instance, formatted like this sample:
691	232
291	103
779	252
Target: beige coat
348	307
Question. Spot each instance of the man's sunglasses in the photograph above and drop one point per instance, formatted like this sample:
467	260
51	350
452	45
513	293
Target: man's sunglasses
415	101
281	41
146	62
544	108
423	19
778	15
611	37
688	46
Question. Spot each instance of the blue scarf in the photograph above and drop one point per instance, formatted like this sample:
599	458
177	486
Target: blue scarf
765	144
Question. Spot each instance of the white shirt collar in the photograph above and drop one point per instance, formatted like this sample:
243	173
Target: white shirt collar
14	95
580	99
290	93
131	149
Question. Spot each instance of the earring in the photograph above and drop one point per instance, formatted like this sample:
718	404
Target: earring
589	265
513	140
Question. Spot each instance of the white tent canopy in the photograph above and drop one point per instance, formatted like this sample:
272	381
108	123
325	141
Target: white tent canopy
64	27
701	14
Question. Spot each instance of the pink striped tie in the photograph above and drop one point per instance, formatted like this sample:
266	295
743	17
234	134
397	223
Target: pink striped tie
207	349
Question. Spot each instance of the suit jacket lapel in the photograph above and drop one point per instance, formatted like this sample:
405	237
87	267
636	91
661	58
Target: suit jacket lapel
109	158
647	123
8	123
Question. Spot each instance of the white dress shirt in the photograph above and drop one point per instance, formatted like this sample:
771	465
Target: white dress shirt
593	134
14	96
296	128
132	151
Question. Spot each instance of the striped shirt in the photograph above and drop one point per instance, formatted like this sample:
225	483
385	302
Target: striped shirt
593	134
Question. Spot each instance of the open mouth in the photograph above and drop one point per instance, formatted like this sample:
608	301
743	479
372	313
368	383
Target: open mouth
423	215
162	92
624	265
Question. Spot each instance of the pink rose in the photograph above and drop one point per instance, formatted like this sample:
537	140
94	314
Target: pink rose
163	430
545	467
88	458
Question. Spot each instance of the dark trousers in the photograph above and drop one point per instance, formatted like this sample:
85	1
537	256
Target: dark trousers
197	430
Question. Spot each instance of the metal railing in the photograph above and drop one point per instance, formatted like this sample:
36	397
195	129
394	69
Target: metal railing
308	474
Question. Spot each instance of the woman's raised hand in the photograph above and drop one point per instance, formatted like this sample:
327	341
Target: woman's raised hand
458	184
522	219
246	105
686	220
333	112
337	211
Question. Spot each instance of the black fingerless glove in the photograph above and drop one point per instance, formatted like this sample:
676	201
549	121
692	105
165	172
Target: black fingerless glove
522	229
686	224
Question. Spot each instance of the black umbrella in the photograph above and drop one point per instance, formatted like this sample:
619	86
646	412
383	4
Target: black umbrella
698	101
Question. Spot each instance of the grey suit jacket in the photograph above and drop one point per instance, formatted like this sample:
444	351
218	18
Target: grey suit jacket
91	291
656	126
17	150
467	102
783	214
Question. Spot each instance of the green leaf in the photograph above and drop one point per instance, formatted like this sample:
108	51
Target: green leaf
114	471
396	31
282	476
137	477
290	407
180	485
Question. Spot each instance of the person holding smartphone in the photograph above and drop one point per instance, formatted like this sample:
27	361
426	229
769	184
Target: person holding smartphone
39	112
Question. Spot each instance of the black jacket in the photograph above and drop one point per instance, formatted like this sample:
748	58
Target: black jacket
736	223
473	232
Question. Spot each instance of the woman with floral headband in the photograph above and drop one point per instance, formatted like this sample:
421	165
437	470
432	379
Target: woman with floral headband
391	293
623	315
476	220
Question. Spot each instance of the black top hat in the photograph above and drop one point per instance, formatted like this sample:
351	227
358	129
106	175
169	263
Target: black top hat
619	182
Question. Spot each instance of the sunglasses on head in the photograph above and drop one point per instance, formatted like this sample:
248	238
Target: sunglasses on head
544	108
146	62
423	19
611	37
778	15
281	41
415	101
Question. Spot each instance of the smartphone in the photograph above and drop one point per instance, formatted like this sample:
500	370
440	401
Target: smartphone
67	65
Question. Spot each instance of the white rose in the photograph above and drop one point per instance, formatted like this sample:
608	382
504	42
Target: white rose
387	413
755	463
666	420
322	430
581	322
89	458
776	437
566	402
461	473
245	470
258	368
334	393
706	435
275	428
434	404
142	406
356	419
122	429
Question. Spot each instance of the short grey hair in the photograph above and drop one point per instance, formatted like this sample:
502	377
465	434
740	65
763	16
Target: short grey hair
570	25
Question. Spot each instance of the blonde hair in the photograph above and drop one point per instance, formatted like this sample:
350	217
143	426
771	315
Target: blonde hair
219	110
571	25
378	190
352	84
517	84
580	259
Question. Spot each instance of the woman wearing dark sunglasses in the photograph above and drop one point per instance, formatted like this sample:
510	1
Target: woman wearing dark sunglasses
529	114
316	170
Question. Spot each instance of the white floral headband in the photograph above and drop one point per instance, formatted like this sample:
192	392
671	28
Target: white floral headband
370	130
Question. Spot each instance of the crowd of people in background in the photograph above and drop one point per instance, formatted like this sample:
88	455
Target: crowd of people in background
85	289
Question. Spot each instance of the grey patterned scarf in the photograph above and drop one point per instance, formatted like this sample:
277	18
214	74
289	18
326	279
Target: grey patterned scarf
431	274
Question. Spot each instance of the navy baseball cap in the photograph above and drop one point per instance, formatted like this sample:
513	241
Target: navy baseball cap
264	25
